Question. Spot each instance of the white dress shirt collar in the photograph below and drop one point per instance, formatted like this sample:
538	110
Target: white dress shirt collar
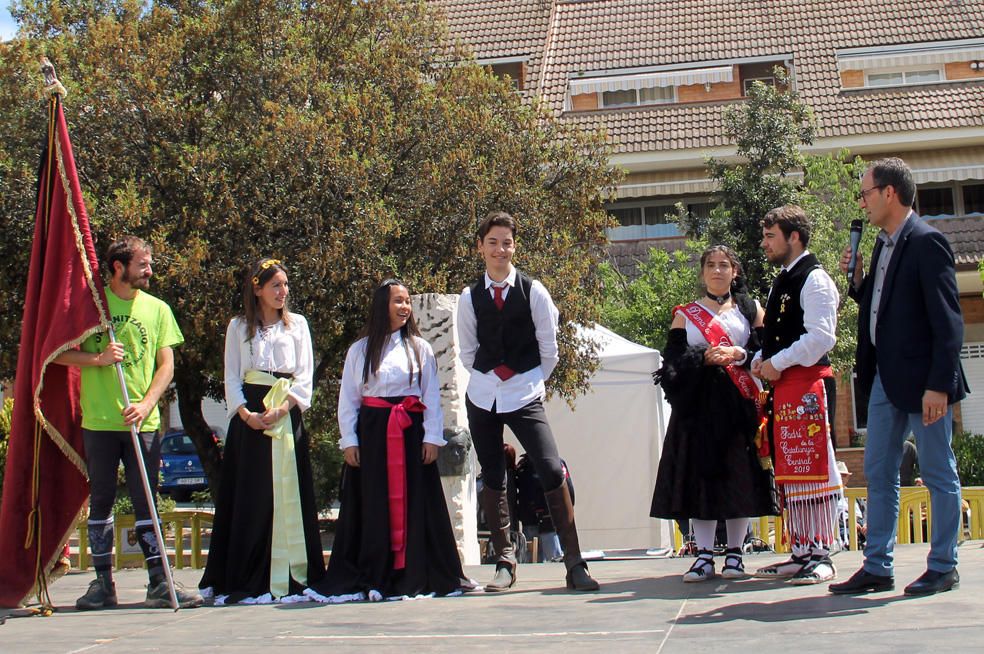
510	279
796	260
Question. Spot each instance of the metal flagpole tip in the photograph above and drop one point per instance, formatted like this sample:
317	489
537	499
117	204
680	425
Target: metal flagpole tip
51	84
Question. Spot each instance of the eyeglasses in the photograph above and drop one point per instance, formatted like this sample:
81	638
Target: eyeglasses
863	193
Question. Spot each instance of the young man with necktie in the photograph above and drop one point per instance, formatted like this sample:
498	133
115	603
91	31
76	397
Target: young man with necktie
507	329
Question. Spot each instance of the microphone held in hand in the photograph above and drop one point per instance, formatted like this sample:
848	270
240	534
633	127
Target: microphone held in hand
856	226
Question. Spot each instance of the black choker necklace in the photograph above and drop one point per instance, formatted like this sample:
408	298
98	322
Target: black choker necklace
720	299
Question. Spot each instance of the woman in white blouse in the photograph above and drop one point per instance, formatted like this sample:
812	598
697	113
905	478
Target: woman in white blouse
265	543
393	536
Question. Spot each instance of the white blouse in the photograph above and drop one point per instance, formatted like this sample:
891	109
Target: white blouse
733	322
391	380
276	348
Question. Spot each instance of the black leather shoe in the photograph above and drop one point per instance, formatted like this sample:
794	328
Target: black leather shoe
932	582
862	582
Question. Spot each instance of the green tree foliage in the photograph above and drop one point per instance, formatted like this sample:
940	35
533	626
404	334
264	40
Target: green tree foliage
5	413
335	136
768	131
641	309
969	450
829	196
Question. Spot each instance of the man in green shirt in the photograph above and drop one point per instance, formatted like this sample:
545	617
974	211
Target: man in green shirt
146	332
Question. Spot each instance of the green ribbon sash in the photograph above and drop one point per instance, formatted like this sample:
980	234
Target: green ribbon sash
288	555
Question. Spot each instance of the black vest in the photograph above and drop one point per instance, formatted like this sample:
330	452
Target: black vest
507	336
783	311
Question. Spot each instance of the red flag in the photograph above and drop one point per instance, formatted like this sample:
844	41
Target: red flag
45	480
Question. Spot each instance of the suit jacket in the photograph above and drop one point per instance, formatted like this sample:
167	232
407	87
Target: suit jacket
920	327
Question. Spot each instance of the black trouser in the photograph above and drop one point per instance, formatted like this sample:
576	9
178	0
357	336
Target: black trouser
103	452
530	426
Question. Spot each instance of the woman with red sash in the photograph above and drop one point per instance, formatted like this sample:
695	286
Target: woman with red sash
393	537
710	468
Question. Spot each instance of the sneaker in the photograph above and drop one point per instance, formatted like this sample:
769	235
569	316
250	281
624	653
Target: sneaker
734	567
783	570
702	569
158	597
99	596
817	571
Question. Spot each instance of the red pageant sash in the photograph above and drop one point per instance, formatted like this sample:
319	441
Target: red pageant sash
396	469
703	320
799	425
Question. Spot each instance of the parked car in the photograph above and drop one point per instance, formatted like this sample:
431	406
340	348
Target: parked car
181	469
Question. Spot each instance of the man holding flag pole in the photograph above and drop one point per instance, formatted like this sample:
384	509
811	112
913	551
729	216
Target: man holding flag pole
115	424
65	307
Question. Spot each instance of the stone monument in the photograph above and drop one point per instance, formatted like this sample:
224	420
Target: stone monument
436	315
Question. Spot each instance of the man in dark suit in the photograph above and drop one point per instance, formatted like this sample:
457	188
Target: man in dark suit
910	331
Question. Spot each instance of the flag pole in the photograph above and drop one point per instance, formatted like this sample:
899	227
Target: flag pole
148	493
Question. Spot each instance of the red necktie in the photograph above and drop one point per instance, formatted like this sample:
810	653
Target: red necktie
497	297
503	371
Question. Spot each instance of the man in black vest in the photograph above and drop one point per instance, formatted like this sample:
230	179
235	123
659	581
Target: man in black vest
800	328
910	331
507	330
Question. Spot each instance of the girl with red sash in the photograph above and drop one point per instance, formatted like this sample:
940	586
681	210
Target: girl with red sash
393	536
710	469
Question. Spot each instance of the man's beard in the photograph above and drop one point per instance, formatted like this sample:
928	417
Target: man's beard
137	281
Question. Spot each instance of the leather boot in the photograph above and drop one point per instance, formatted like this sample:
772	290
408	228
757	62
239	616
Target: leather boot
562	514
496	507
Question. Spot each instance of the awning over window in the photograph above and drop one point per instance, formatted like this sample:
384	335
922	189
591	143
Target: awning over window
912	55
653	80
947	165
641	185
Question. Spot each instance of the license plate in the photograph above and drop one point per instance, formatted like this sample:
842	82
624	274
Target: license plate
188	481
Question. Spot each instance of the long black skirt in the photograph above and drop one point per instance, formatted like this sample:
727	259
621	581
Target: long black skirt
709	468
239	552
361	560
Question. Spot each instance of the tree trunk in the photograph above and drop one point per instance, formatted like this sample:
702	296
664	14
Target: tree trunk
190	409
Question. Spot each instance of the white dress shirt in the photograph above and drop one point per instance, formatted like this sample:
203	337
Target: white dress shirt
819	299
486	389
391	380
276	348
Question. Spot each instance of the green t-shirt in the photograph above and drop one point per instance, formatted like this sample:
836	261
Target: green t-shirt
143	325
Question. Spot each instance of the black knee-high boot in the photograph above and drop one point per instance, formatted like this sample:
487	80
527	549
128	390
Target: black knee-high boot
562	514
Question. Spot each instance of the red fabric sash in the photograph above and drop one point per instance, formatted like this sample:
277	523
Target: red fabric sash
799	425
712	330
396	469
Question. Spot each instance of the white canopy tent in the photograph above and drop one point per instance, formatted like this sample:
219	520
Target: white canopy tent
611	440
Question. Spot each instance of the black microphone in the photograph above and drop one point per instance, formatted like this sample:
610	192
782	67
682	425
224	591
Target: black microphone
856	226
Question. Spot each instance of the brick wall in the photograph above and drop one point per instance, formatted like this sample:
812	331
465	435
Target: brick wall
854	458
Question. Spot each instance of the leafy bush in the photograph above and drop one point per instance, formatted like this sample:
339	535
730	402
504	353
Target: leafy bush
5	413
969	450
124	505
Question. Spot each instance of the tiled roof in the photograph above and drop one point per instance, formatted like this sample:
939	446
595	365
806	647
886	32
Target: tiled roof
966	236
501	28
604	35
